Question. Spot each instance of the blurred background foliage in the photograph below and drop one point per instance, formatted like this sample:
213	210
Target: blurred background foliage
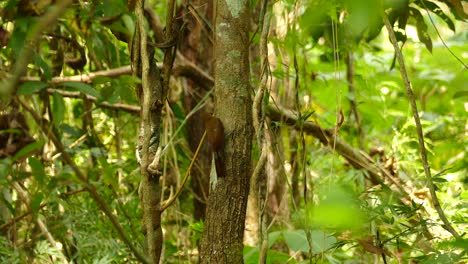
345	220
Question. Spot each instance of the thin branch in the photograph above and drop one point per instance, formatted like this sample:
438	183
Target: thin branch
187	173
18	218
133	109
352	101
409	90
183	67
154	23
86	77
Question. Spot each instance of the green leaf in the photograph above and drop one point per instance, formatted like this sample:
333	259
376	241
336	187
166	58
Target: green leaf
84	88
251	256
37	170
458	243
439	179
108	94
18	36
321	241
457	9
339	209
129	23
273	237
434	8
39	61
400	36
422	29
5	167
296	240
29	88
306	116
460	94
58	108
8	204
36	200
28	149
442	172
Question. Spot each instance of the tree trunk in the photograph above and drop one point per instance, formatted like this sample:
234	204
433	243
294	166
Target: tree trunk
222	240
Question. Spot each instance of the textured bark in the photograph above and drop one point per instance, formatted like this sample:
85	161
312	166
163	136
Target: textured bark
150	93
222	240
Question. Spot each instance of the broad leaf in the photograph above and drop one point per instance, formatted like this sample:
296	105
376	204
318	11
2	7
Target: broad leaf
434	8
422	29
58	109
84	88
29	88
37	170
36	200
28	149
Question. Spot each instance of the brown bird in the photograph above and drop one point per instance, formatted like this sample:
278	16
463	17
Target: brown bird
215	136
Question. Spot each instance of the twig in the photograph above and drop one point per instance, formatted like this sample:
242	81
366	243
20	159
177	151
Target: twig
18	218
133	109
352	101
187	173
86	78
409	90
183	67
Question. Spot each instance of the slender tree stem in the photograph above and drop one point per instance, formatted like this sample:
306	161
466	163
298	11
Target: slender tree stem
409	90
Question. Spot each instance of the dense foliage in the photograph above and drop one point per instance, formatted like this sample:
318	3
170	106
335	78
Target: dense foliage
47	214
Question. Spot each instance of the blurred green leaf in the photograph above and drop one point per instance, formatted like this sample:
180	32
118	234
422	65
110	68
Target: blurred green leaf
434	8
251	256
422	29
18	36
296	240
28	149
84	88
58	109
37	170
460	94
439	179
36	200
5	166
338	209
46	71
29	88
321	241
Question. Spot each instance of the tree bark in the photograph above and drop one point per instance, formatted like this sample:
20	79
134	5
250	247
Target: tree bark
150	93
222	240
